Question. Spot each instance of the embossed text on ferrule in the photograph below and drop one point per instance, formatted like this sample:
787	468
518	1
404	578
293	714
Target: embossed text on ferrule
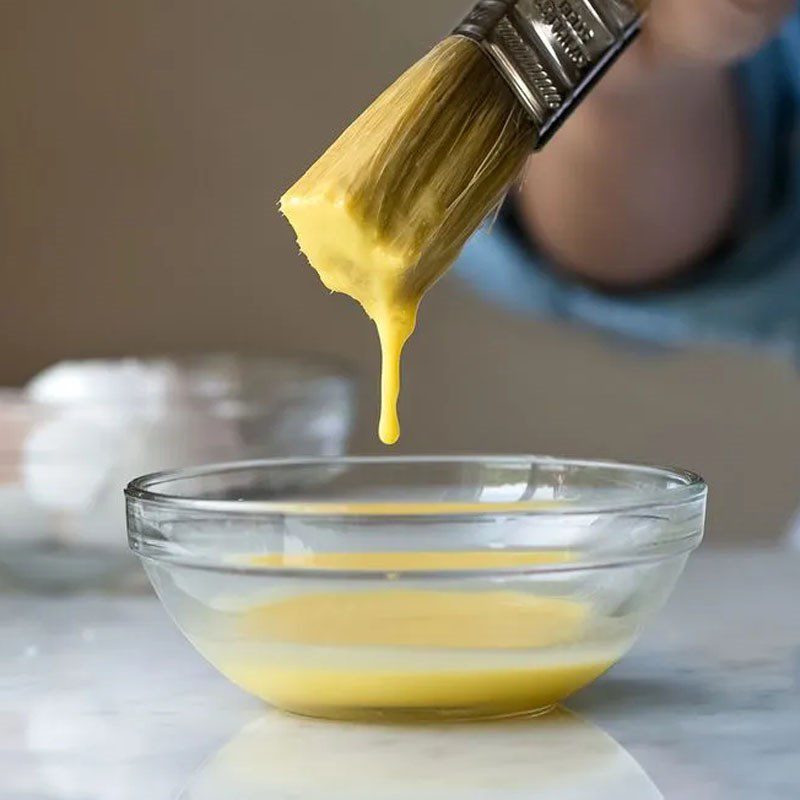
551	51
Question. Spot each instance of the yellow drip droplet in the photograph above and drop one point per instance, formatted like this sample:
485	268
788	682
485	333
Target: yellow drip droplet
394	330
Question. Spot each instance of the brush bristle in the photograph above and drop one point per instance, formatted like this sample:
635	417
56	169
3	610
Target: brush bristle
421	168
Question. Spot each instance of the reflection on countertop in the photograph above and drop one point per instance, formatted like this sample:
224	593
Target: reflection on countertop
560	756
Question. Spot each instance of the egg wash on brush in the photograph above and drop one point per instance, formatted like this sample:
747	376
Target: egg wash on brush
388	207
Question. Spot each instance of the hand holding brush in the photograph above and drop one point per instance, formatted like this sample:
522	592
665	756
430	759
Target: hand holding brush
386	210
650	175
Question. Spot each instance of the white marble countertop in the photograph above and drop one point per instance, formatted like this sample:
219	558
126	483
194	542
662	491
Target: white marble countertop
101	699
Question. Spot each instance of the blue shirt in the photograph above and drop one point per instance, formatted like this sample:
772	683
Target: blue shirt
750	294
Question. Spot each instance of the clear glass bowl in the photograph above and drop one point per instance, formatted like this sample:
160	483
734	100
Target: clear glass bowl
73	438
407	588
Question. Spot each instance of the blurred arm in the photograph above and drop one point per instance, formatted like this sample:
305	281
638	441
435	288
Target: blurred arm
647	176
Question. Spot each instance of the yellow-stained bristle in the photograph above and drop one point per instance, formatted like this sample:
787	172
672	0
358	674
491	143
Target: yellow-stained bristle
425	163
386	210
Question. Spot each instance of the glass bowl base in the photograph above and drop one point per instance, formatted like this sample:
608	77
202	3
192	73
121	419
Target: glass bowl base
415	715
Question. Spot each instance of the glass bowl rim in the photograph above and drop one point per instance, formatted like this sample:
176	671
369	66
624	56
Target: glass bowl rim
140	496
142	489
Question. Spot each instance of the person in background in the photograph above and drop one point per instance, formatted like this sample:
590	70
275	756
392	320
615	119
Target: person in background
668	207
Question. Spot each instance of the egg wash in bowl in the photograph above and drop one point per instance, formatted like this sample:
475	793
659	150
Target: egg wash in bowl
337	603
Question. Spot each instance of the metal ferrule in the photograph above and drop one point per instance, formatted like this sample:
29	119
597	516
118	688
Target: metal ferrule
551	52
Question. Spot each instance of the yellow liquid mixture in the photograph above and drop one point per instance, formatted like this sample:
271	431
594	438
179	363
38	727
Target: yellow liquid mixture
412	652
383	508
385	211
356	263
409	562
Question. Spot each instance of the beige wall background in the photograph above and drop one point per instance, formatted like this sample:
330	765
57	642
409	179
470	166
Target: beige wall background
143	145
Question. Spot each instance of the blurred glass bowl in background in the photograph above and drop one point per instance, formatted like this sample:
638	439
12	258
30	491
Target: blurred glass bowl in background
79	431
